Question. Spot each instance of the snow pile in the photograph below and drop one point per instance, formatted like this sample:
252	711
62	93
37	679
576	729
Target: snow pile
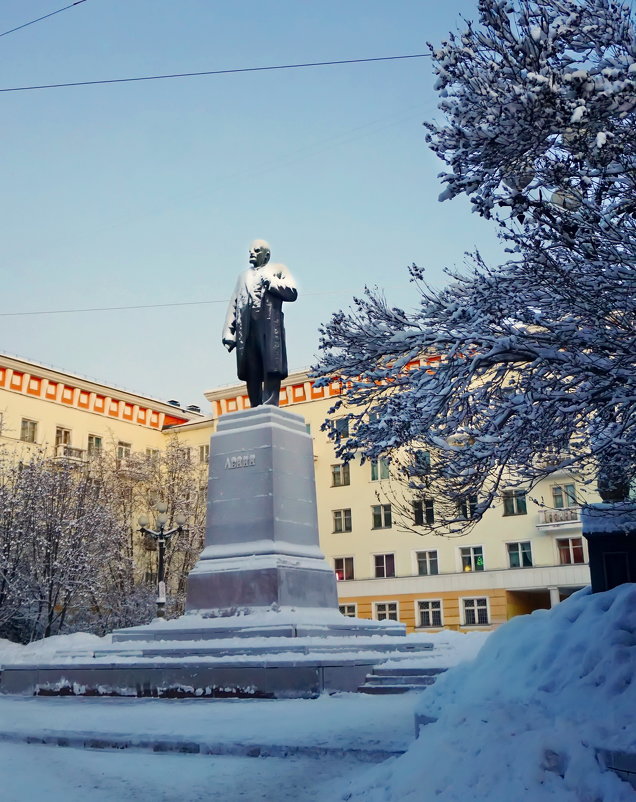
524	719
48	649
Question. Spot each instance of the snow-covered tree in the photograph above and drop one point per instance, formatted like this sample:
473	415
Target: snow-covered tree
536	360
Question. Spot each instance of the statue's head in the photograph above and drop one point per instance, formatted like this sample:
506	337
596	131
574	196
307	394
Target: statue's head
259	253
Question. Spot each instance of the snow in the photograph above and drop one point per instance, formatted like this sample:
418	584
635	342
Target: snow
524	719
520	718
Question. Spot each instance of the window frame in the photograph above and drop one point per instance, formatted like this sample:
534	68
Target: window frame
204	453
379	469
568	500
341	426
425	515
348	562
467	507
383	556
124	450
340	474
473	559
514	502
385	511
340	518
353	606
520	554
386	604
428	560
466	623
30	425
571	549
92	449
419	613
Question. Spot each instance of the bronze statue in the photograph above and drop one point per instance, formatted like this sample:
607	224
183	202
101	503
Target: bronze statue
254	325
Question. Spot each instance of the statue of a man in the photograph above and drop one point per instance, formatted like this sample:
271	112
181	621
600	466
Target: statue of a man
254	325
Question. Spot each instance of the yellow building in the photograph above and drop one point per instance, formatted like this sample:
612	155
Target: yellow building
520	557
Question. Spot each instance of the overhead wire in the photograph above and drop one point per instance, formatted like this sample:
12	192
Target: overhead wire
230	71
39	19
155	306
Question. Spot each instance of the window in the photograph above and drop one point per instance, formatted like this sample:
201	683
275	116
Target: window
342	520
429	613
421	462
468	507
123	450
342	427
427	563
204	454
384	565
153	453
348	610
28	430
379	469
475	612
340	475
570	550
62	436
564	496
308	428
184	453
343	566
520	555
423	512
95	444
472	558
386	611
381	514
514	502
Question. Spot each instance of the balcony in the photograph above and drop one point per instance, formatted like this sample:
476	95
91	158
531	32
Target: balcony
565	518
66	453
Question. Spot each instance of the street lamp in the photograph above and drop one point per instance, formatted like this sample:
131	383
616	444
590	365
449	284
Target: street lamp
160	536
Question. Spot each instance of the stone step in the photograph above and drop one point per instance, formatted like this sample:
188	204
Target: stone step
386	689
396	679
398	671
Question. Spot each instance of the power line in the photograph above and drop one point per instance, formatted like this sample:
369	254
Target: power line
213	72
163	306
39	19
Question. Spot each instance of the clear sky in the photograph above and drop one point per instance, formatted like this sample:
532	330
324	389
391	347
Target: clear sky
150	192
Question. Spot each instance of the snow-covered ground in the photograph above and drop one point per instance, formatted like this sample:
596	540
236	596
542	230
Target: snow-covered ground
520	721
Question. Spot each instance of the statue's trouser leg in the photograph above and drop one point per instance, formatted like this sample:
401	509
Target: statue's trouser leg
254	371
271	391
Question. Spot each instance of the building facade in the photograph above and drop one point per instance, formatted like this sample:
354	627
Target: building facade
522	556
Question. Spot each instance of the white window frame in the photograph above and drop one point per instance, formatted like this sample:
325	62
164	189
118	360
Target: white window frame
427	509
204	453
340	519
428	552
473	558
340	474
379	467
385	575
386	512
349	609
569	540
418	613
91	442
344	567
465	599
124	450
515	495
62	436
519	543
32	428
386	603
568	500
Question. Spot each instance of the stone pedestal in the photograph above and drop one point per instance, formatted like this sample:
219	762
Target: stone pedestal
261	543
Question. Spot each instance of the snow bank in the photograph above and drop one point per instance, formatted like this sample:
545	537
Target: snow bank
524	719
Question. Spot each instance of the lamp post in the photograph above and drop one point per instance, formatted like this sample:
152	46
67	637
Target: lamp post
160	536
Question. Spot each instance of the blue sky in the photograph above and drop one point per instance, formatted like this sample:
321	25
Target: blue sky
150	193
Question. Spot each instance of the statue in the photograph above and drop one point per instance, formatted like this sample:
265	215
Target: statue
254	325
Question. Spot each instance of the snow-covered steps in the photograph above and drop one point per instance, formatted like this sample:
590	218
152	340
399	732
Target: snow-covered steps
395	679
